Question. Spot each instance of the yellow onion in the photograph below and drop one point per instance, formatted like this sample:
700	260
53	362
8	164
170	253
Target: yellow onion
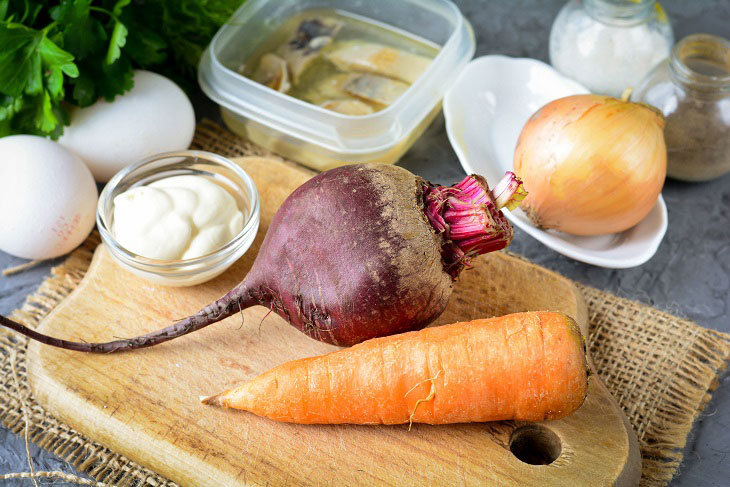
591	164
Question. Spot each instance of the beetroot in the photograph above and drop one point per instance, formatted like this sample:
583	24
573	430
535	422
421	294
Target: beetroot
356	252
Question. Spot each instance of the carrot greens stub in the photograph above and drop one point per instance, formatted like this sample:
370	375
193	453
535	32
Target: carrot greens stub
469	217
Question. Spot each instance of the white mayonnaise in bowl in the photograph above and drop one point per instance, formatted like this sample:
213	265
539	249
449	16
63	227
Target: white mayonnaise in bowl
211	167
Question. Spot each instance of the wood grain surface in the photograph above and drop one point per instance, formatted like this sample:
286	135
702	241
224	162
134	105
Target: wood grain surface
144	404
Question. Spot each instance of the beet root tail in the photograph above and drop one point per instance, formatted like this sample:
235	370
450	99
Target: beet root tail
224	307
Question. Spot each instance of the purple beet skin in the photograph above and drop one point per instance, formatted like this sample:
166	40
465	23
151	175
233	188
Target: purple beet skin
356	252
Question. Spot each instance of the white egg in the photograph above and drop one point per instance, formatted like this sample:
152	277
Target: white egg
155	116
47	198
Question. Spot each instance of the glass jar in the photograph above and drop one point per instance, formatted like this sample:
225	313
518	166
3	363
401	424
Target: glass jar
609	45
692	89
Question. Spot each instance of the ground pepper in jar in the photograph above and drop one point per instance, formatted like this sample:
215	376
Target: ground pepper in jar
692	89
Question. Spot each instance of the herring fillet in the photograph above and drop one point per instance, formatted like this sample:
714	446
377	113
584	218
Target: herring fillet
375	89
378	59
306	45
272	72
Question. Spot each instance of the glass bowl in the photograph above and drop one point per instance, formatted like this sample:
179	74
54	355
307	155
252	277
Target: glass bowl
184	272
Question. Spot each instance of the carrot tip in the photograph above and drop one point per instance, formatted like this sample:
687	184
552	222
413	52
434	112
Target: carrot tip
214	400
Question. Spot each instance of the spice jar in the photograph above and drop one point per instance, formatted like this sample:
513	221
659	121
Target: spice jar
609	45
692	89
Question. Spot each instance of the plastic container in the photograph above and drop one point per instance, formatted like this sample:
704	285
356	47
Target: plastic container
186	272
315	136
692	89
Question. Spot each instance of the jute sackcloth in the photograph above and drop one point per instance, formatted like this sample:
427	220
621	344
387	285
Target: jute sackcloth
660	368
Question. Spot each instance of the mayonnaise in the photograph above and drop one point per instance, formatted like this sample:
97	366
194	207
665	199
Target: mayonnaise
180	217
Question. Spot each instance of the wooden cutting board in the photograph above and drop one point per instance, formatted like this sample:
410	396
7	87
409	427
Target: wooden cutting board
144	404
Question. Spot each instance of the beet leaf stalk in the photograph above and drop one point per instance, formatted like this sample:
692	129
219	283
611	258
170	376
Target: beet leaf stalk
468	214
356	252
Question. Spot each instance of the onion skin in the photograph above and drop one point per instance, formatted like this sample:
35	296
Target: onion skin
591	164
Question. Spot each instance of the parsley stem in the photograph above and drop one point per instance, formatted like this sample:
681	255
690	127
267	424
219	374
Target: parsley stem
49	27
26	11
104	11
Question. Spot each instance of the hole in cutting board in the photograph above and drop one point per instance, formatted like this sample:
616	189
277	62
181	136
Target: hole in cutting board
535	444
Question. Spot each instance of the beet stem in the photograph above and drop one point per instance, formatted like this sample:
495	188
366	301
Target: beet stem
469	217
509	192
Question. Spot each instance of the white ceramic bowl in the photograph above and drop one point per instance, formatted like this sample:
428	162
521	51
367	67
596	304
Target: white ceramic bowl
485	110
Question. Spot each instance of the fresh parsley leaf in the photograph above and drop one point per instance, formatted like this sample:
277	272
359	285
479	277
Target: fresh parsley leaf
34	67
84	93
117	42
45	119
79	30
54	56
117	78
145	46
21	58
119	33
97	79
9	106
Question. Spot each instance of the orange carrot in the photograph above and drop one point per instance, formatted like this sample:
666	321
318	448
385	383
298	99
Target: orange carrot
523	366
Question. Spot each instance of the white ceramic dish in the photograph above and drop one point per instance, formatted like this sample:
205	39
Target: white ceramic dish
485	110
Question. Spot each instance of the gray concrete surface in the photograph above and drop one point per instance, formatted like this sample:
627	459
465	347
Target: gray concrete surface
689	275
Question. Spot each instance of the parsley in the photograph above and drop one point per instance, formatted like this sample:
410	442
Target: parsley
59	53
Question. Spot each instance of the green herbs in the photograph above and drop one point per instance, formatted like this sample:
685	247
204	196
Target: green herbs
31	80
59	52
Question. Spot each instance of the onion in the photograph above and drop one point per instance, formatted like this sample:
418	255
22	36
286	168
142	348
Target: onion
591	164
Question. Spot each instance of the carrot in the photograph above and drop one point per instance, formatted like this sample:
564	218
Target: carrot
523	366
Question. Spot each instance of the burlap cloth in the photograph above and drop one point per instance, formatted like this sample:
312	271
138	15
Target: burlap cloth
660	368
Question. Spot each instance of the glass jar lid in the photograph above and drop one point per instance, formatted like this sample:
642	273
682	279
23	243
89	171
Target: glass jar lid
620	12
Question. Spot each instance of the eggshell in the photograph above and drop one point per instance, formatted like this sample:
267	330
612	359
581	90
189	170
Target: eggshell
47	198
155	116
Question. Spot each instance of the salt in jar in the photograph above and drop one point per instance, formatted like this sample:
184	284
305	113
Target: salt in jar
609	45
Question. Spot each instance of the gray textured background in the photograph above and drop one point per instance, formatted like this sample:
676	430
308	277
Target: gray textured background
689	275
